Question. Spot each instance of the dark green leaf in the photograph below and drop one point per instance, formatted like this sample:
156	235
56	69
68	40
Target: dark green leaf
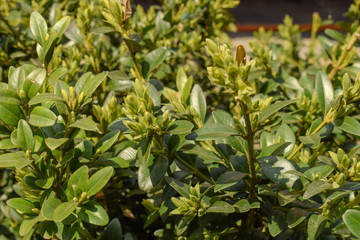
228	179
295	216
152	60
287	136
275	168
149	175
277	223
324	91
113	230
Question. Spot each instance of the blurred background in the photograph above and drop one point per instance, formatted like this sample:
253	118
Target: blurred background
272	12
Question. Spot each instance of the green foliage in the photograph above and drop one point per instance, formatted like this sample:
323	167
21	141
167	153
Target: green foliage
106	131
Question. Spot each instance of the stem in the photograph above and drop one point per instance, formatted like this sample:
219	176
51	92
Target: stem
323	123
343	55
193	169
250	155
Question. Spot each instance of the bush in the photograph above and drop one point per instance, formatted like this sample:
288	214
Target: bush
106	132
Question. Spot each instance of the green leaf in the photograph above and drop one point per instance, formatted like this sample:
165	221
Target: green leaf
106	142
98	180
17	79
180	127
113	230
220	207
295	216
335	35
324	91
198	101
93	213
42	117
10	114
348	124
91	85
45	97
9	97
150	174
152	60
60	26
224	117
7	144
315	226
312	140
275	169
25	138
133	45
26	226
212	132
352	221
183	84
77	182
21	205
48	208
86	124
228	179
45	183
64	210
10	160
243	205
287	136
178	186
54	143
273	109
324	170
285	197
315	188
277	223
38	27
34	82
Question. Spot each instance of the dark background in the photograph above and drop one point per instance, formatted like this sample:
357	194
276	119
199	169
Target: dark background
273	11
